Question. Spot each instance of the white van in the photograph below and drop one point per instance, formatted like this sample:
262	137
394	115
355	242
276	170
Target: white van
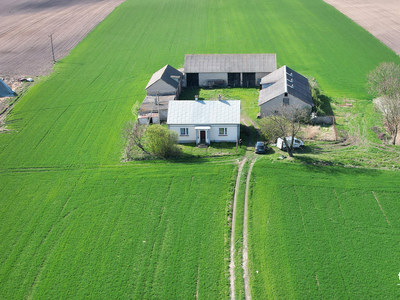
280	143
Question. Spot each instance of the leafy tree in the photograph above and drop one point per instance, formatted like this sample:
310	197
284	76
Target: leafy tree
384	82
161	142
284	121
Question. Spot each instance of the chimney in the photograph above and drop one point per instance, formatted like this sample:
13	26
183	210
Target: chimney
196	97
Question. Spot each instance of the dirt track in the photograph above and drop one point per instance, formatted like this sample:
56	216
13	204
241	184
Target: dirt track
25	26
381	18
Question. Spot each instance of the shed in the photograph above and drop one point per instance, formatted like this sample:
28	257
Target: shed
284	87
166	81
5	90
155	104
205	121
233	70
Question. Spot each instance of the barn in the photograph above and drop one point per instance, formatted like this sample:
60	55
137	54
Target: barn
202	122
234	70
284	87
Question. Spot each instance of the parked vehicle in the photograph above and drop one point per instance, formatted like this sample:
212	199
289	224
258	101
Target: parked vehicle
280	143
259	147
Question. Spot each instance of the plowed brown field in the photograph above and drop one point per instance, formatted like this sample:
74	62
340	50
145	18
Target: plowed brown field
380	17
25	26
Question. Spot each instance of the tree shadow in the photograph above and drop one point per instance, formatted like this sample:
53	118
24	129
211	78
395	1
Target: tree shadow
189	93
326	105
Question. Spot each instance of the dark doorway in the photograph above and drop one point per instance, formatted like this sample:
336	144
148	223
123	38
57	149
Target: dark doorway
234	79
192	79
249	79
202	136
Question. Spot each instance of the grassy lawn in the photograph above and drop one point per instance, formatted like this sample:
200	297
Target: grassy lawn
323	232
78	223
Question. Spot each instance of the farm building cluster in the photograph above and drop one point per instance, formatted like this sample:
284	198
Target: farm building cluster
198	121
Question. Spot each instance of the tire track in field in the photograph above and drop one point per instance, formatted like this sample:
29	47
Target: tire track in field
232	254
246	277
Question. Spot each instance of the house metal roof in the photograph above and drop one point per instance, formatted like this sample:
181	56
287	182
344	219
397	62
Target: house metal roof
5	90
285	80
230	63
167	74
200	112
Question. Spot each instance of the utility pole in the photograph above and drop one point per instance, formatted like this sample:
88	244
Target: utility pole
52	48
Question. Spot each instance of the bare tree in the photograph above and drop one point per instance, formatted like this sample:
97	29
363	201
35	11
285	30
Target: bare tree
284	121
384	82
134	135
390	109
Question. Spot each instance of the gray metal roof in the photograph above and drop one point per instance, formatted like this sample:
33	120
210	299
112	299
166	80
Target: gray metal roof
230	63
5	90
149	103
190	112
285	80
166	74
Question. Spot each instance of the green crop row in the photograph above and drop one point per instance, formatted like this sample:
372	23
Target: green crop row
161	234
323	232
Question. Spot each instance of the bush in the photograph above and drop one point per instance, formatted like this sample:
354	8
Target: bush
161	142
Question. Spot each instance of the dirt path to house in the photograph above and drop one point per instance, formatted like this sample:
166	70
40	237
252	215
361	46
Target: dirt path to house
248	156
25	26
234	213
246	276
381	18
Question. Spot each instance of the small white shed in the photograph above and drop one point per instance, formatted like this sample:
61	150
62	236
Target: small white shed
205	121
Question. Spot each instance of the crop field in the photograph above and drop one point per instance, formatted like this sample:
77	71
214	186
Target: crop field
110	235
324	232
76	222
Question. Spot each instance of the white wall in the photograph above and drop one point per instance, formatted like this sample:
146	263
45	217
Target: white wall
191	138
204	77
233	133
269	106
162	88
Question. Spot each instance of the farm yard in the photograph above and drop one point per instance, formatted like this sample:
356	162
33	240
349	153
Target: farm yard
77	222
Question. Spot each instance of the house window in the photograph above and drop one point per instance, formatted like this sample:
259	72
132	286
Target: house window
223	131
184	131
285	101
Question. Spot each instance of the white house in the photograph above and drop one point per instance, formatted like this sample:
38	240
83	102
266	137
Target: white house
212	70
284	87
166	81
205	121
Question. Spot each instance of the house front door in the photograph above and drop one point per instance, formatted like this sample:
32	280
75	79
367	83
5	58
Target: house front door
202	136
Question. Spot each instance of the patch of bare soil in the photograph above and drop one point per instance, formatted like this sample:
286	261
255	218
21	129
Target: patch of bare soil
315	132
381	18
25	27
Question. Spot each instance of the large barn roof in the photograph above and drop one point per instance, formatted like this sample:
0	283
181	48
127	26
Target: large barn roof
166	74
229	63
190	112
285	80
5	90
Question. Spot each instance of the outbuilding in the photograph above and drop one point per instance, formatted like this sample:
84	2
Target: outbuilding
5	90
234	70
166	81
284	87
202	122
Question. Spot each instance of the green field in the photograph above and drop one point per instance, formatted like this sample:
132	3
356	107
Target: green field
319	233
148	231
73	217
